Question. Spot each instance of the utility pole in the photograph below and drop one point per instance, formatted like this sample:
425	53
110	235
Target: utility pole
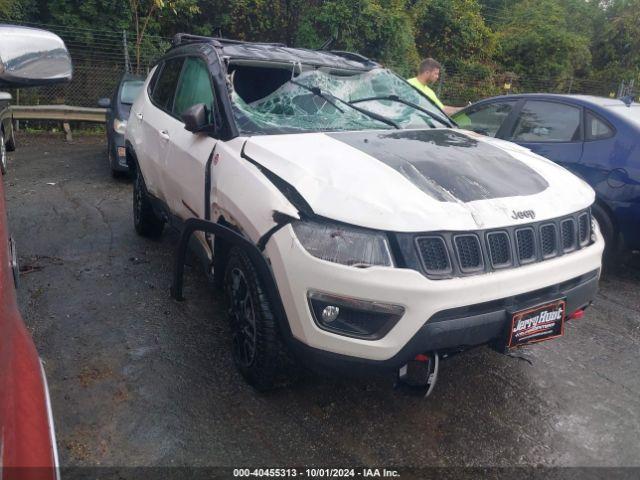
127	62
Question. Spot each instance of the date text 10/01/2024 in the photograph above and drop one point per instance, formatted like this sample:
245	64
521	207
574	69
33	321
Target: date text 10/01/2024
316	472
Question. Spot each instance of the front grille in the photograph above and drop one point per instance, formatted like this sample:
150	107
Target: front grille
548	240
449	254
568	234
499	249
433	252
469	252
526	245
583	228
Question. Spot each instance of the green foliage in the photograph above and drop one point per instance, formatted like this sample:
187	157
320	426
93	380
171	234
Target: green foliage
547	44
452	30
17	10
536	41
617	45
379	29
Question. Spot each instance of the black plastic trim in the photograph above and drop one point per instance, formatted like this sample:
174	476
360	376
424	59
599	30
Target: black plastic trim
509	262
458	329
481	263
445	271
574	242
410	252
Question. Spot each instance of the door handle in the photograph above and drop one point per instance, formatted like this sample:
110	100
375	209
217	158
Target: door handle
164	134
139	115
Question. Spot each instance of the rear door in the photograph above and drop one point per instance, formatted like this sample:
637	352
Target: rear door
157	118
187	155
551	129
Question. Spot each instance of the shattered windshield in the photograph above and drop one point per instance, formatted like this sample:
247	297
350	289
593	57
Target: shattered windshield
321	100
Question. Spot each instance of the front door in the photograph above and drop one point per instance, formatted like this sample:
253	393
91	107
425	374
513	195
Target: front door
188	153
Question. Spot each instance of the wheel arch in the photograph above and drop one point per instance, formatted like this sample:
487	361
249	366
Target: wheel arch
232	237
221	249
599	202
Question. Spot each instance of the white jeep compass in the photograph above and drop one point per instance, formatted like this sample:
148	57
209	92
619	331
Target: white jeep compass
350	223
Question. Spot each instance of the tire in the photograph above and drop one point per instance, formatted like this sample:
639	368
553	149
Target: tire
145	220
3	154
257	347
608	231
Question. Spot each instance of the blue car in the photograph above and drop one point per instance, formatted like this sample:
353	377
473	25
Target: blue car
118	109
596	138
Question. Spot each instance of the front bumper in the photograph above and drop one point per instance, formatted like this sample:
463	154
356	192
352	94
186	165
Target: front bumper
117	155
439	314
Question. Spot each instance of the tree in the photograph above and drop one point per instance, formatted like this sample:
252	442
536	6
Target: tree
537	42
380	29
617	41
453	31
146	11
16	10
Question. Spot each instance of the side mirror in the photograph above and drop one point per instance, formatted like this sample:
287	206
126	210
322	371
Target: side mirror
32	57
104	102
196	119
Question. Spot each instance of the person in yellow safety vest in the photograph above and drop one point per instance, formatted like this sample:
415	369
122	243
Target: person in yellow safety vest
429	72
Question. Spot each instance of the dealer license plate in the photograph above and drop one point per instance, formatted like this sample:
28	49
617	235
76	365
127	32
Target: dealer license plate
536	324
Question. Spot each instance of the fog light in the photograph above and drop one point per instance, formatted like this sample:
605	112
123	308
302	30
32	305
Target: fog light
330	313
122	152
353	317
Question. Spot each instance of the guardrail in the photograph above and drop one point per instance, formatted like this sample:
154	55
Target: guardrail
62	113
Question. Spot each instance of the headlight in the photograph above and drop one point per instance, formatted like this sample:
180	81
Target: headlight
120	126
341	244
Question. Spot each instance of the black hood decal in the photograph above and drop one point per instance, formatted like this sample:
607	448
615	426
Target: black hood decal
448	165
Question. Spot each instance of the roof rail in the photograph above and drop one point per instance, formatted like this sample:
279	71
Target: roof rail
351	56
183	38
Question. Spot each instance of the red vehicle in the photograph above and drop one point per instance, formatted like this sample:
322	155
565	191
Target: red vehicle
28	57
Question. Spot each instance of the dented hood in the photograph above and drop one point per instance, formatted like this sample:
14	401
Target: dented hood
419	180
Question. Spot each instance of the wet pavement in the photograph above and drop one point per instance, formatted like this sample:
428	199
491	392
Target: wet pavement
139	379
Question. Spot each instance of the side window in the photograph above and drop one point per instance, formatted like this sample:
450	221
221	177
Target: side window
486	119
166	84
597	128
547	122
195	87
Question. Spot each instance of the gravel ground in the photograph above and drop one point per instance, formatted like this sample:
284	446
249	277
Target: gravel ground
138	379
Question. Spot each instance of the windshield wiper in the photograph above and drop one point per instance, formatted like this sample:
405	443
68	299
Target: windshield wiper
395	98
316	91
329	97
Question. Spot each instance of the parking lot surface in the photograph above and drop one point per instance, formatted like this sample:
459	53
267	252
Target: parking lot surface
139	379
